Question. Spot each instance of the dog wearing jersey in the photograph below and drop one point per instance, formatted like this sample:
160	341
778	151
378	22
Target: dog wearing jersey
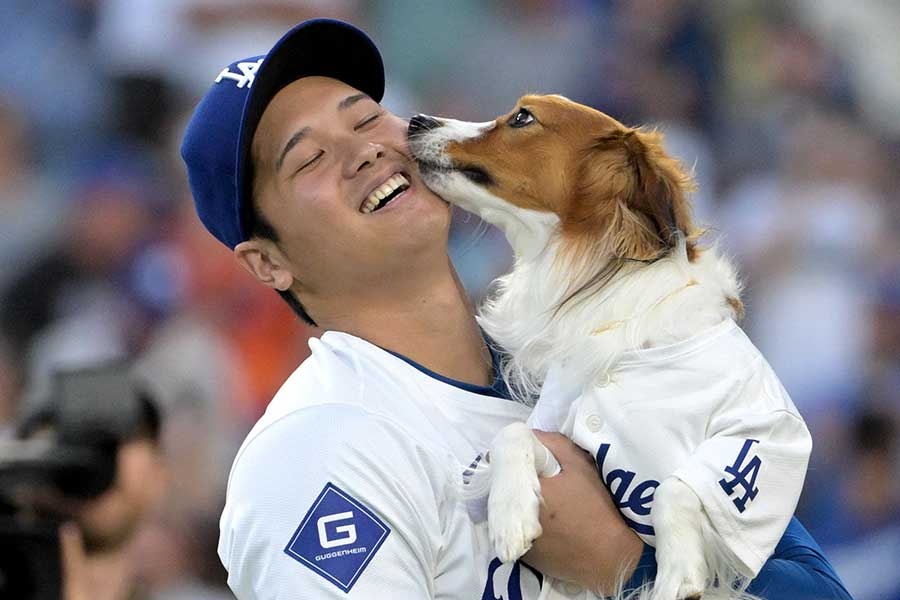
625	325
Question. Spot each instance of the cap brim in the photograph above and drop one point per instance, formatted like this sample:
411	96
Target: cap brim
320	47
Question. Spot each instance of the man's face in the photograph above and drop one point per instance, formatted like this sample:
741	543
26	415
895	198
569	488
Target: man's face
321	149
111	519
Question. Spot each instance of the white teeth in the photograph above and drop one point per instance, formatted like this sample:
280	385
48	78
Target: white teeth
383	191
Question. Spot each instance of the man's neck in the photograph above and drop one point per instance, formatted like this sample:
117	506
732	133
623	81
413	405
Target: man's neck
433	326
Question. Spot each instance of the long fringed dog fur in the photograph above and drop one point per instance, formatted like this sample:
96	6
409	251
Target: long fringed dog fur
607	260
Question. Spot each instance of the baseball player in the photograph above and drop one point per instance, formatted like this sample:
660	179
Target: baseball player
348	485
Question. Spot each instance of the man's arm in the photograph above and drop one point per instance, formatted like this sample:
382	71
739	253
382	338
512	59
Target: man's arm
329	500
798	570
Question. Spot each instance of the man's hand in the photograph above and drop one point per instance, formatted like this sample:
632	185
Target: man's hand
74	576
585	540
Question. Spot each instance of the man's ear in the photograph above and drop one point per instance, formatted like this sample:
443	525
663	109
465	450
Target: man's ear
263	260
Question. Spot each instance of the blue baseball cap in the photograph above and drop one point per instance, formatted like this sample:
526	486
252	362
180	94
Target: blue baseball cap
216	145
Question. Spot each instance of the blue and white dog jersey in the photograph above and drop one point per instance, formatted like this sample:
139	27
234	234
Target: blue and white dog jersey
709	411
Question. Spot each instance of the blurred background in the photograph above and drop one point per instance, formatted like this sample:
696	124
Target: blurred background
788	112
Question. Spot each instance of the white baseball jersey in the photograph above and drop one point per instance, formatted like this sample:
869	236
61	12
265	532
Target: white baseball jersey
347	487
709	411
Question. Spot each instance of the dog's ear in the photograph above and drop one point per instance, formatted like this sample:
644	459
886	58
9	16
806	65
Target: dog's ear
660	186
628	171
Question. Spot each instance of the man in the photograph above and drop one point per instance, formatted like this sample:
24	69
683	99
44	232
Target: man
350	483
101	429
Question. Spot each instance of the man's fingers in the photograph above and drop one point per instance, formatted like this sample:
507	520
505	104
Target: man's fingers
574	461
549	438
566	452
71	548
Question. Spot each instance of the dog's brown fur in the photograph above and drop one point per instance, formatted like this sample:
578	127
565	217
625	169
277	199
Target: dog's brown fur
604	180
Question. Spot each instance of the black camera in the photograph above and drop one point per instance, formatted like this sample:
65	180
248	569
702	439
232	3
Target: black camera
64	452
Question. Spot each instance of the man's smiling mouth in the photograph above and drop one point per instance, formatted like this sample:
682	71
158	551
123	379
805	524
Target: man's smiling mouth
387	191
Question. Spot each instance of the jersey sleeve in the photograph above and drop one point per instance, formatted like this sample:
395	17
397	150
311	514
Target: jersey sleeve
332	502
749	472
797	570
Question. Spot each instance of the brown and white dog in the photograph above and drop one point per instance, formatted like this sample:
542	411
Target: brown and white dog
607	261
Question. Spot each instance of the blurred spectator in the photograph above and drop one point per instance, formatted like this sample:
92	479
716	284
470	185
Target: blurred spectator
31	212
658	63
74	304
773	69
49	71
864	33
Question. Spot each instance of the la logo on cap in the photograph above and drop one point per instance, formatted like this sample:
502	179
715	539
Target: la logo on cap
245	77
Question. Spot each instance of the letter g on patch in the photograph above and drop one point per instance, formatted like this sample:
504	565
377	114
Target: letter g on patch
349	530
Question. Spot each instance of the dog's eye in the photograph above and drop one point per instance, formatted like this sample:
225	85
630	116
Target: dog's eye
521	119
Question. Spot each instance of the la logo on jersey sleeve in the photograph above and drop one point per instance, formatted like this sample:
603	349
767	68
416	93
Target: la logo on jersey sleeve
738	474
338	537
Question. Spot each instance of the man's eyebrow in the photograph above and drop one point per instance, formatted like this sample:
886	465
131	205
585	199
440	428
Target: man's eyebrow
298	137
351	100
295	139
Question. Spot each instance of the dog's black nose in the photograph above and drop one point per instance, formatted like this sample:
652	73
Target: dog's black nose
421	124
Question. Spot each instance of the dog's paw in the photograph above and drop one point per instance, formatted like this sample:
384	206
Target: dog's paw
683	571
674	585
513	515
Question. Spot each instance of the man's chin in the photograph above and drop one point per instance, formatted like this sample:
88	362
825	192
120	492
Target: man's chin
97	541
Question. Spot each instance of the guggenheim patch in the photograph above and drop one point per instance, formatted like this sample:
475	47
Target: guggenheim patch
338	537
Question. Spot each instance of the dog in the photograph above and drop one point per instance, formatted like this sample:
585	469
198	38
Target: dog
625	323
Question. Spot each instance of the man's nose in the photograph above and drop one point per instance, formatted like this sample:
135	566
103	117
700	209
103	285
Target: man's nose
421	123
365	157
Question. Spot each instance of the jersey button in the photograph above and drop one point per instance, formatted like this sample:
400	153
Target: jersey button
604	380
594	423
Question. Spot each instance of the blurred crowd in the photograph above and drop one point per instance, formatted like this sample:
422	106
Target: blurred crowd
789	114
